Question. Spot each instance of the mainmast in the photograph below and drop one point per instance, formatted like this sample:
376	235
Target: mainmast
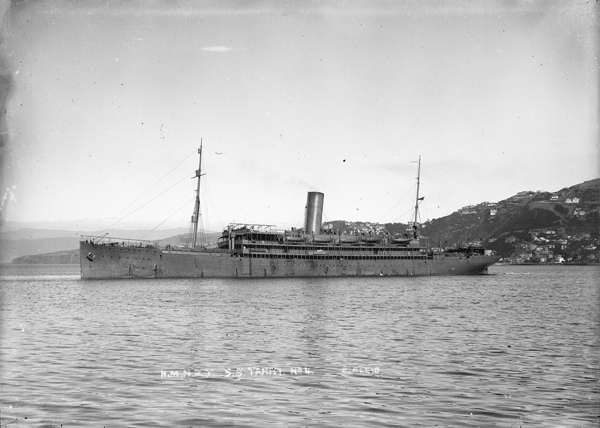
196	215
417	200
418	183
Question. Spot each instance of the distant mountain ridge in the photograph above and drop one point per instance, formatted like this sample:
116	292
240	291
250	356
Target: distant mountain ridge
72	256
34	242
42	233
58	257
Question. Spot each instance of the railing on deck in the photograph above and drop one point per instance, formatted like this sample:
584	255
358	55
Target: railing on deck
141	243
121	242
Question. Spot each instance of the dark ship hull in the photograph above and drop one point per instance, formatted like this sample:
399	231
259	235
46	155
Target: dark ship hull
261	251
116	260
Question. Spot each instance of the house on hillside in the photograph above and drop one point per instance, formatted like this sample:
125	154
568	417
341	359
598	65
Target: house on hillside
524	195
572	200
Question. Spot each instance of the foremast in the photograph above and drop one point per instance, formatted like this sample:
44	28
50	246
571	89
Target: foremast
196	215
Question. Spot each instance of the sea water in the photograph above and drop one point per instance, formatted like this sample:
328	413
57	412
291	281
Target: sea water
518	347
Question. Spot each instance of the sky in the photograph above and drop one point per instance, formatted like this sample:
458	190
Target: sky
106	103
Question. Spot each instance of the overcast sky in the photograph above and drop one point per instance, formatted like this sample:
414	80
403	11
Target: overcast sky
107	98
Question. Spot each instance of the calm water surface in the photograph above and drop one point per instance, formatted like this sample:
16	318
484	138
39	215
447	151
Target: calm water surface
519	347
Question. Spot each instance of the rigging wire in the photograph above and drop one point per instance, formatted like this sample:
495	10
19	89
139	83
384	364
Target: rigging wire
207	192
203	218
402	215
203	215
142	206
294	220
201	234
419	219
187	237
397	203
158	225
424	210
105	226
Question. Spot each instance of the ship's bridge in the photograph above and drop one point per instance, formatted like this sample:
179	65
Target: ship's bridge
251	228
250	232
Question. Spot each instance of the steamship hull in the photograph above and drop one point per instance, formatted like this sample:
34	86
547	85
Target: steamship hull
262	251
102	261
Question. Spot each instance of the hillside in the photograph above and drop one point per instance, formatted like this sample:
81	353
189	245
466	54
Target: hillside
58	257
11	249
529	226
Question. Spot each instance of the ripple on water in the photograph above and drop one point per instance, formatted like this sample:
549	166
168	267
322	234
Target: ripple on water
495	350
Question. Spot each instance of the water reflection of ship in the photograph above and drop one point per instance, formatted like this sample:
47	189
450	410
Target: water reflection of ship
257	250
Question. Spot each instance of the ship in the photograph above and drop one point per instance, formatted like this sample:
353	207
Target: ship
263	251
